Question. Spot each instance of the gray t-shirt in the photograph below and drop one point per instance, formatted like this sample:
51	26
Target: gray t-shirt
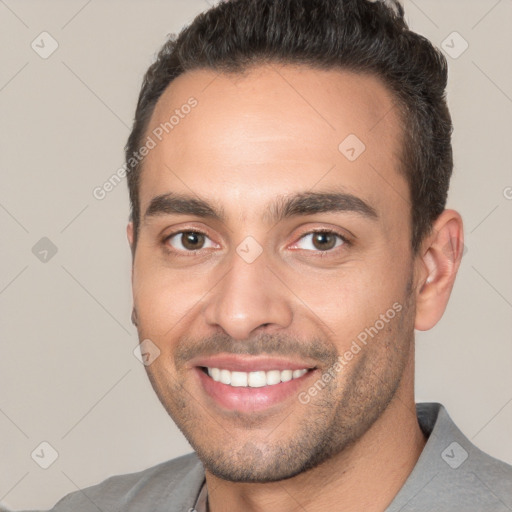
450	475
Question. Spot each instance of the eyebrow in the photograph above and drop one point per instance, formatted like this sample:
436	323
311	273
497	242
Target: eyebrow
282	207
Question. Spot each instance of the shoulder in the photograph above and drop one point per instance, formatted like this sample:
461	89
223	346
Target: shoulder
485	478
168	486
457	450
452	473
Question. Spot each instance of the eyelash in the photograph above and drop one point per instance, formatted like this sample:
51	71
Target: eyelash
345	240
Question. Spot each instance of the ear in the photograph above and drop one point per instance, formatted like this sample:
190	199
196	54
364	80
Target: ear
437	266
130	236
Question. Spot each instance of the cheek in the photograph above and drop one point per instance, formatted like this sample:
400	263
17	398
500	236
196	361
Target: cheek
163	297
353	299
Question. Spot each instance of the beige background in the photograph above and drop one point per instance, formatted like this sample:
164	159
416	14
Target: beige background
68	373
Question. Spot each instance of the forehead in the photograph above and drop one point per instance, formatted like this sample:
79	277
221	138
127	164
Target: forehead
274	129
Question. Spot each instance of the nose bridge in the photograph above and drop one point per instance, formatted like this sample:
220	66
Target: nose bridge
249	295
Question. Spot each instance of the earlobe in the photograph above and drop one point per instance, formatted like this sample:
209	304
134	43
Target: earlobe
129	234
438	268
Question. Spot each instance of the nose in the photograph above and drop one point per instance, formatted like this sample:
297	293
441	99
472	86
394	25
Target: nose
248	297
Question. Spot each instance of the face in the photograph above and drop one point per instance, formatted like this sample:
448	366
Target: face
273	268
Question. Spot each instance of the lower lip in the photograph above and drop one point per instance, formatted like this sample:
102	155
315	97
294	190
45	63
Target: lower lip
247	399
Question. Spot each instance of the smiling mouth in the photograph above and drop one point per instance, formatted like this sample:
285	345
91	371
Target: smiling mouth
255	379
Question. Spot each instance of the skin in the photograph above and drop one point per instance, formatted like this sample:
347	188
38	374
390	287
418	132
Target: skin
252	138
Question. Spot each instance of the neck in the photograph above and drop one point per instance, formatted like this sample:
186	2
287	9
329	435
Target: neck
365	476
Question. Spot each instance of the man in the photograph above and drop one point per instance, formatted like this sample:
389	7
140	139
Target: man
288	171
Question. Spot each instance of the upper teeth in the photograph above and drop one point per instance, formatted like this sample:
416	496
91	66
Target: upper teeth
254	379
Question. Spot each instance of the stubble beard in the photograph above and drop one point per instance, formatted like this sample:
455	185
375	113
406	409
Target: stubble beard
338	416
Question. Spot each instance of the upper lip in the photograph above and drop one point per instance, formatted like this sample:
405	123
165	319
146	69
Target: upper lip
245	363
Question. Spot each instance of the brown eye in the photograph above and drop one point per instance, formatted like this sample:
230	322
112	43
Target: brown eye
321	241
324	241
192	241
187	241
